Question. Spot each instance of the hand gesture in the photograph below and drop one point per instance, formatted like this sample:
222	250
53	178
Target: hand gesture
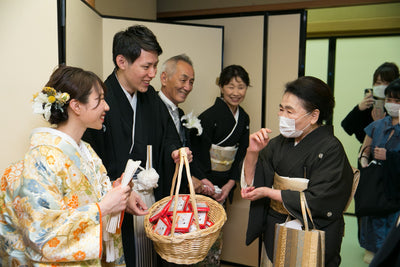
259	140
252	193
208	187
380	153
175	155
367	102
136	206
115	200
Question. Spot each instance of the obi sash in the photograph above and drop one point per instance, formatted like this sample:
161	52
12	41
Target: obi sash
222	157
286	183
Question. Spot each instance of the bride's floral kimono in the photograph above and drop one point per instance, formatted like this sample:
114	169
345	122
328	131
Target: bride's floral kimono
49	214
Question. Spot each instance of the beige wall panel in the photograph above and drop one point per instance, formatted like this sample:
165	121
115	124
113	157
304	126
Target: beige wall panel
202	44
138	9
83	37
282	63
239	50
28	56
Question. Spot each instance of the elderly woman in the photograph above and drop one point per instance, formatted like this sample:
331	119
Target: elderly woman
307	149
225	137
55	204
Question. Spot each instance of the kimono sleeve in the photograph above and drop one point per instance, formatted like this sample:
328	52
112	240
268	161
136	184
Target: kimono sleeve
53	230
330	182
243	144
259	208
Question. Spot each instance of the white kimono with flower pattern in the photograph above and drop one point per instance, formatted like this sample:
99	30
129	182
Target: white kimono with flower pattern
56	219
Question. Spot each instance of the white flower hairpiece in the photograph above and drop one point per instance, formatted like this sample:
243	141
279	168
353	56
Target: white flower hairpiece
191	121
45	99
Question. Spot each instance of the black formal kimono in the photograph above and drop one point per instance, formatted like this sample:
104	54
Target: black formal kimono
172	141
113	143
218	122
321	159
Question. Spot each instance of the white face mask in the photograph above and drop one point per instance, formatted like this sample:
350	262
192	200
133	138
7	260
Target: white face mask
379	91
392	109
287	127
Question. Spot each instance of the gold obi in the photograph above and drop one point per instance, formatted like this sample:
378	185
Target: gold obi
286	183
222	157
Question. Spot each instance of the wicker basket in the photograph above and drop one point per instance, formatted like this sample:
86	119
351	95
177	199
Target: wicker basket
191	247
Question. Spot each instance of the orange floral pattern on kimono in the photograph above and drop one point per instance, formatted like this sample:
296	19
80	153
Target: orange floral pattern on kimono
49	201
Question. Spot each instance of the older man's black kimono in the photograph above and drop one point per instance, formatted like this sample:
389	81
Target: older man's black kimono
172	141
319	157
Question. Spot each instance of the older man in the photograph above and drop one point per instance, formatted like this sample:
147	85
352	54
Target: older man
177	78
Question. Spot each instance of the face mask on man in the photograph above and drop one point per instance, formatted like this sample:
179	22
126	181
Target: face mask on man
287	127
392	109
379	91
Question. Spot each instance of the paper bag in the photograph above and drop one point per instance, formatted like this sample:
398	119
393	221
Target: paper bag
295	247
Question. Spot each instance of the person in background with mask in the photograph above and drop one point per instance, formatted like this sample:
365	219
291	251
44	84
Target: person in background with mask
306	149
371	107
382	136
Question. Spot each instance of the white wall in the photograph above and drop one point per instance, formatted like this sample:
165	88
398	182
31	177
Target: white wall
28	52
84	44
239	50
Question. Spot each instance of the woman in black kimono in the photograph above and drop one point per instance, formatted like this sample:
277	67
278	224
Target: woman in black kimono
305	149
225	134
222	145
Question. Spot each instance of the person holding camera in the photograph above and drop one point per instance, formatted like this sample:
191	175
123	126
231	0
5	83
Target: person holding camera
371	107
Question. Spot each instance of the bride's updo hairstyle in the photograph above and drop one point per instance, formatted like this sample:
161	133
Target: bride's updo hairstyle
66	83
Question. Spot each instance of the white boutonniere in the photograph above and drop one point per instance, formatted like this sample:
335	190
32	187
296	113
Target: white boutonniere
191	121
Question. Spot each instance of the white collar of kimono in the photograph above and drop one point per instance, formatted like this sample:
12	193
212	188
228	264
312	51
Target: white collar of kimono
133	102
81	148
168	102
236	114
131	98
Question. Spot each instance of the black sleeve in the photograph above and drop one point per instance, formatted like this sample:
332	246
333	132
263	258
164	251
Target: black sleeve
356	121
200	145
243	144
263	176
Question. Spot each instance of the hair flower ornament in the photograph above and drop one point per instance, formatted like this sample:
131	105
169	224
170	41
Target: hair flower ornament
48	98
191	121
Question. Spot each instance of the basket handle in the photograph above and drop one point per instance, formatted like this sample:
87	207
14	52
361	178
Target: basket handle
178	173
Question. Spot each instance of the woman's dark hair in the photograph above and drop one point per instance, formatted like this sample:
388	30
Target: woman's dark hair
393	89
130	43
78	83
232	71
388	72
315	94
